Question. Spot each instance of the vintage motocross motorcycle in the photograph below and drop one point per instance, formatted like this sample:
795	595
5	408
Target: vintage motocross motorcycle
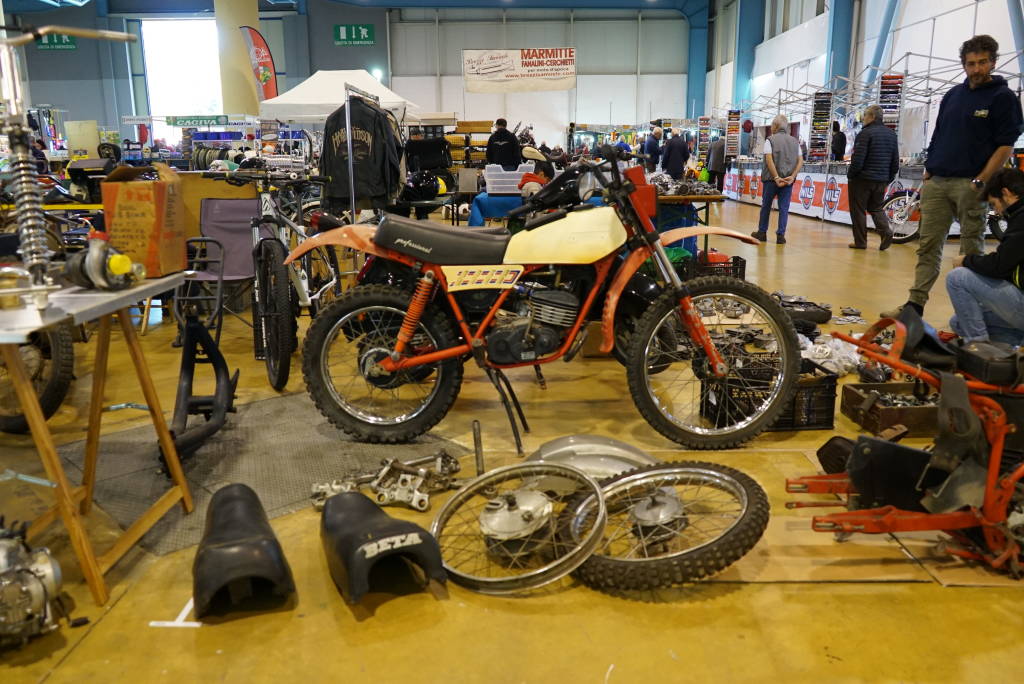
711	363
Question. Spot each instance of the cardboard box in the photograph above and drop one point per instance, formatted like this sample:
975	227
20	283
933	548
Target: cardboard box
145	218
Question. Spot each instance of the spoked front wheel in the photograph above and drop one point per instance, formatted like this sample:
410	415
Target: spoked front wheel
340	363
49	360
674	386
275	325
904	212
668	524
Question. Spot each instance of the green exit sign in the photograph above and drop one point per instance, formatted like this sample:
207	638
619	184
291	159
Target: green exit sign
56	41
353	34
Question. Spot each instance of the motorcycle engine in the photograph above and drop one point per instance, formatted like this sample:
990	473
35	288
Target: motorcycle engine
516	338
30	580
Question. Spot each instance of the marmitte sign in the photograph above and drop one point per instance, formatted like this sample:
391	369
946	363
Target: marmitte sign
527	69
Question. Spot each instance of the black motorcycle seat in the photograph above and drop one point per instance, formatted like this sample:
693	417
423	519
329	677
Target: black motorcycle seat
357	534
440	244
238	552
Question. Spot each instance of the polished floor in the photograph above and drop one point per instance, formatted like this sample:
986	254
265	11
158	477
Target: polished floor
801	608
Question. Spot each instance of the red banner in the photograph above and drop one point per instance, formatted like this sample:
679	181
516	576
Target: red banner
262	62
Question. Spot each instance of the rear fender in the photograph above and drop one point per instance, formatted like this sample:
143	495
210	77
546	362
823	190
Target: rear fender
357	237
632	263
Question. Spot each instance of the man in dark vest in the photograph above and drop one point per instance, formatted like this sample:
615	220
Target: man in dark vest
782	163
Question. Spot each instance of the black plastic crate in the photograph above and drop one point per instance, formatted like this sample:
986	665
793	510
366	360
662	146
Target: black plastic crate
812	408
689	268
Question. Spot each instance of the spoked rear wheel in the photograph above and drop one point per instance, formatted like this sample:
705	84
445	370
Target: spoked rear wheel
674	386
904	213
273	310
49	360
340	358
668	524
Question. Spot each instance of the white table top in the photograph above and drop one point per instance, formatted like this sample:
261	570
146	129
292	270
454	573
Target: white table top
79	305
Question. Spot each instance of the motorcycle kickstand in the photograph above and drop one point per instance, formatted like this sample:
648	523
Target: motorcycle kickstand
540	378
496	377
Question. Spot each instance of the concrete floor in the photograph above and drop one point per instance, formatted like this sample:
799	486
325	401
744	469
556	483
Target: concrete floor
799	607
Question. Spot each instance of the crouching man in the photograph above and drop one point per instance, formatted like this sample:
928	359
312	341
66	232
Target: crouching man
986	289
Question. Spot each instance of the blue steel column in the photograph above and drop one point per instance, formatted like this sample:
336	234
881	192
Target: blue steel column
749	34
883	38
1017	24
697	57
840	34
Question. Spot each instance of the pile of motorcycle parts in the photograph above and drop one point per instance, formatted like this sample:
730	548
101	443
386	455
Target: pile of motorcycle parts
239	557
30	582
649	525
357	535
407	483
664	184
873	372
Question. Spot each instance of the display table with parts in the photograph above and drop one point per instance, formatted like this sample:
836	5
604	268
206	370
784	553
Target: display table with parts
78	305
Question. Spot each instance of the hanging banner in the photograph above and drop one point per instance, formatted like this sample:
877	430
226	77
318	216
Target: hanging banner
524	70
262	62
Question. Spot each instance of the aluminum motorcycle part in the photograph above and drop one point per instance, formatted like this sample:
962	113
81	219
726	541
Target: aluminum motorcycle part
668	524
599	457
30	581
498	533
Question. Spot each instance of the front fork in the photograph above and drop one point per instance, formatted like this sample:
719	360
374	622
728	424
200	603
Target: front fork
691	317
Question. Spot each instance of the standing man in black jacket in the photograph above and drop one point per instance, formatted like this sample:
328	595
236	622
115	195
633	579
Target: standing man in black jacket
675	154
838	143
875	162
503	147
986	289
978	122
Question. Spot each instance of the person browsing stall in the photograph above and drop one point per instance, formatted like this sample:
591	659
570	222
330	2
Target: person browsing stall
675	154
652	148
503	147
543	172
978	123
987	291
838	142
782	163
873	165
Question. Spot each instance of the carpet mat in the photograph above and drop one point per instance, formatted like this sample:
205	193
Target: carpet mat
277	446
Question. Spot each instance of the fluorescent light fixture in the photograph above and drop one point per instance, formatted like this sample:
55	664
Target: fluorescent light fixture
377	74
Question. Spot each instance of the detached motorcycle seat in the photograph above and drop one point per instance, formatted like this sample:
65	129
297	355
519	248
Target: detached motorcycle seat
239	553
438	243
357	534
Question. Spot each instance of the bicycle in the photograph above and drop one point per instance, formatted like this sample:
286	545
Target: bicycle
280	292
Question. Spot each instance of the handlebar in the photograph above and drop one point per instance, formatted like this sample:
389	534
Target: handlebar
31	34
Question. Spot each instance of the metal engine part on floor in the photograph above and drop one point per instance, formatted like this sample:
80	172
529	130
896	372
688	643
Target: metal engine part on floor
30	580
397	482
599	457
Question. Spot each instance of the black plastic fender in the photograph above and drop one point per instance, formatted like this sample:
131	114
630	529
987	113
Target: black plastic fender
239	552
639	293
356	534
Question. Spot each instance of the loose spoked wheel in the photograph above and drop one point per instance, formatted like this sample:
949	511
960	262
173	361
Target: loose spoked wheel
668	524
499	533
275	326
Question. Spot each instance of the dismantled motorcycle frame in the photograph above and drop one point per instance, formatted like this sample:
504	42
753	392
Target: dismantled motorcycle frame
967	486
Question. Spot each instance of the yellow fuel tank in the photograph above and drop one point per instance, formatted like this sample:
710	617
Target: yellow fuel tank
582	237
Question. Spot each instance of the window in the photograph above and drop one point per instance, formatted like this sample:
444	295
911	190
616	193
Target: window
179	54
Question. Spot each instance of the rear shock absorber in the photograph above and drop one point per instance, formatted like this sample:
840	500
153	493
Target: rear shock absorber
28	207
418	304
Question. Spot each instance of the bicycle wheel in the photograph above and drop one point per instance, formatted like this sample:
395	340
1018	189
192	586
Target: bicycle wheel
499	533
49	359
273	309
667	524
339	364
904	212
672	383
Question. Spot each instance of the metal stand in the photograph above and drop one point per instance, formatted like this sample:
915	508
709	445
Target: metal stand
189	302
498	379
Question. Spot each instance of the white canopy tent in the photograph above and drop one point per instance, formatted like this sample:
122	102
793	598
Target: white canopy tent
318	96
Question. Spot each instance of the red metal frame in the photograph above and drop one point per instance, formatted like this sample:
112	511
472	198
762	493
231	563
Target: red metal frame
991	517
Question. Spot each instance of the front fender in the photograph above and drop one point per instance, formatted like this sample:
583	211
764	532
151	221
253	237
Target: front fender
357	237
633	262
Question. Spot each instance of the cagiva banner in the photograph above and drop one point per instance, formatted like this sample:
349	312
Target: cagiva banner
262	62
500	71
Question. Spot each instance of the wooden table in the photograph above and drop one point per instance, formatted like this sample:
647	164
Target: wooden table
81	306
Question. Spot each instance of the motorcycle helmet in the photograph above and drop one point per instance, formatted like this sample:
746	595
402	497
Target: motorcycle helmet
420	186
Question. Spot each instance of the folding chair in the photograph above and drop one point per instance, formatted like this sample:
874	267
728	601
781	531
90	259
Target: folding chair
229	223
